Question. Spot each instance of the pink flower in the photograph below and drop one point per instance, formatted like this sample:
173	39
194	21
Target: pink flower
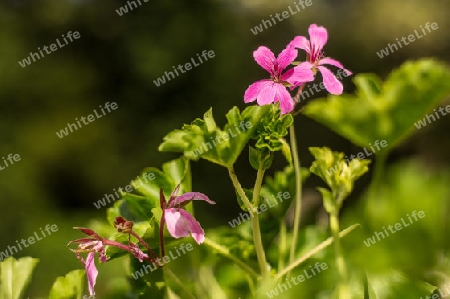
91	272
273	90
95	243
92	244
179	222
319	37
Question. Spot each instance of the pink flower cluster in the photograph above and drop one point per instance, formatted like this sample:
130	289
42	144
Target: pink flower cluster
273	90
179	224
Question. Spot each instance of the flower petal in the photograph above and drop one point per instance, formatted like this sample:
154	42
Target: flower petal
185	198
267	95
285	99
176	225
91	272
301	73
286	57
301	42
180	223
332	84
331	61
137	252
253	90
265	58
318	36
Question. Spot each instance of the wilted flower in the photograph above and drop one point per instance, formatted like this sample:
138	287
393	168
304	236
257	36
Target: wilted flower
95	243
92	244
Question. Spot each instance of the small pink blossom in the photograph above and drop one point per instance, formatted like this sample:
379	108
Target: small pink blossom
92	244
137	252
273	90
91	272
179	222
318	39
96	244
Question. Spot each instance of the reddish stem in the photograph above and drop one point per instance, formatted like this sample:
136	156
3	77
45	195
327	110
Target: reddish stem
144	244
124	247
161	234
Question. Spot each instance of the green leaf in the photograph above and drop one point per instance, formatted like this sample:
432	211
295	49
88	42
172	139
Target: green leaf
286	151
384	110
328	200
260	158
394	284
69	286
144	210
203	139
249	194
337	173
145	282
15	275
272	128
180	171
151	188
139	206
284	182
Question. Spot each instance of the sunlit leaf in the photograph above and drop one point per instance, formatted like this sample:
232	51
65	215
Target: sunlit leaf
394	284
69	286
339	174
15	275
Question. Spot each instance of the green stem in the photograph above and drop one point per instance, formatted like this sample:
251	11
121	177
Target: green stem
315	250
257	188
260	254
282	249
226	253
240	191
343	288
179	283
298	192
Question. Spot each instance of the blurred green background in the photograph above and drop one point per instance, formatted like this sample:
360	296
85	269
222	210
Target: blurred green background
116	60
